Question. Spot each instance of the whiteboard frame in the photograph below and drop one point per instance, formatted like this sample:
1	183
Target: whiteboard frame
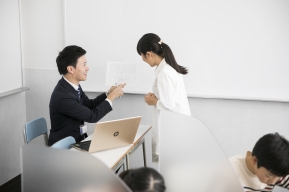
21	88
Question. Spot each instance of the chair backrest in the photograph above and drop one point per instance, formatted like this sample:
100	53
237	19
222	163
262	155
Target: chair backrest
34	129
64	143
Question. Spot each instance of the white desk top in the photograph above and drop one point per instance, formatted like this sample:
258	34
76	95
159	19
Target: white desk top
112	156
142	130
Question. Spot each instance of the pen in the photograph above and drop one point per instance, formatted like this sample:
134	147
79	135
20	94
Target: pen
117	86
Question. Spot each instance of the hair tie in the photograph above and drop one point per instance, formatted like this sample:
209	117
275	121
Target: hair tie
160	42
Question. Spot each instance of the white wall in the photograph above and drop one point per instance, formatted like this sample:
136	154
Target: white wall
237	124
12	107
42	33
12	121
10	47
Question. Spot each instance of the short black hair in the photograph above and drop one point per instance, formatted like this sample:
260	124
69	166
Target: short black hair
68	57
272	153
143	179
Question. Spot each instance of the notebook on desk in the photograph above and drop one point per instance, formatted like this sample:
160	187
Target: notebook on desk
111	134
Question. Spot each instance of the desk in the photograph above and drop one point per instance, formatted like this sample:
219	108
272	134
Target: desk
139	140
114	158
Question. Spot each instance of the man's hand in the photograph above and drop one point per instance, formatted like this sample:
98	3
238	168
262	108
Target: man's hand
115	92
111	89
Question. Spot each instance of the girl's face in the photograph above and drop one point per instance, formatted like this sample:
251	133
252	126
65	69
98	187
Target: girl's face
148	58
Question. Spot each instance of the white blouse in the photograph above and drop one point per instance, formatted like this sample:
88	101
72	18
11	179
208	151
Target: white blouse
170	90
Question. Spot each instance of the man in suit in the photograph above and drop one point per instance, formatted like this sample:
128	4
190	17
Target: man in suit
69	106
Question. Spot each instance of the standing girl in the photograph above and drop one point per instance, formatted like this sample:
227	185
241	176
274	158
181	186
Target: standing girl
168	89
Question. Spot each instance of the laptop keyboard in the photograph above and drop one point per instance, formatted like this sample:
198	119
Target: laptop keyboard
84	145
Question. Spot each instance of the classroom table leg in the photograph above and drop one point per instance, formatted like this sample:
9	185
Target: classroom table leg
127	161
144	154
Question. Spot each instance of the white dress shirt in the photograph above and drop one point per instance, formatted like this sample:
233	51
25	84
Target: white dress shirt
170	90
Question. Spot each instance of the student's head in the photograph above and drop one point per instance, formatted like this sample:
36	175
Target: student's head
271	158
143	180
151	45
72	60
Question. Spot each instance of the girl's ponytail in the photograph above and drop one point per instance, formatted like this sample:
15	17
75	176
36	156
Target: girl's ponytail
152	42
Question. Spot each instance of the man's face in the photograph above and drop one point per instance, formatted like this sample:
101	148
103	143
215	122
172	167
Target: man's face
265	176
80	72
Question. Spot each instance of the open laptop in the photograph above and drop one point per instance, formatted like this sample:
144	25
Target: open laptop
111	134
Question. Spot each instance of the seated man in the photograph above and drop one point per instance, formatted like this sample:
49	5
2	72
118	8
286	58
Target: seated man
267	165
69	106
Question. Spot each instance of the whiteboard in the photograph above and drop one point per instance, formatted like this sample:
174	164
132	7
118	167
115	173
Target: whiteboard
10	47
233	49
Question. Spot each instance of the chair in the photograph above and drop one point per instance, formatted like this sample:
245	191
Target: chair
34	129
64	143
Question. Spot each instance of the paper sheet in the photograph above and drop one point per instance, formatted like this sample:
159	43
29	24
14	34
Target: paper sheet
120	72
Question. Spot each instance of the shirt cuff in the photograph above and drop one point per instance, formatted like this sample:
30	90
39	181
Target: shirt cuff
109	101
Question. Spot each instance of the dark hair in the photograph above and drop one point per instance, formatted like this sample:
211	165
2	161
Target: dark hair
68	57
143	180
272	153
150	42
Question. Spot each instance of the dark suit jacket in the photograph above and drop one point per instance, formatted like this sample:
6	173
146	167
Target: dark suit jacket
67	112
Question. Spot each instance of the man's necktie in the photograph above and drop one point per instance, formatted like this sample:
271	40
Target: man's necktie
78	92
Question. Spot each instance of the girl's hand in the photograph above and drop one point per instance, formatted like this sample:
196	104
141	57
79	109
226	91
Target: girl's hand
150	99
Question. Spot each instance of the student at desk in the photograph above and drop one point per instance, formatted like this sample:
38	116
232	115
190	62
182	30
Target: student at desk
69	106
267	165
169	91
143	179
